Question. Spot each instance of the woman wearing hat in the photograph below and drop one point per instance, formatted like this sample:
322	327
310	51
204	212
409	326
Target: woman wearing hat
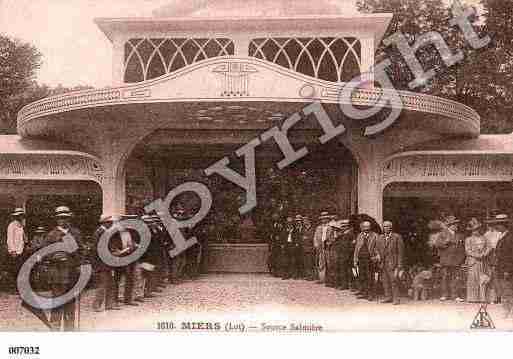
476	249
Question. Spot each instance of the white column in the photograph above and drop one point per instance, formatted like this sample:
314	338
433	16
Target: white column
370	194
118	59
344	189
367	57
114	195
114	186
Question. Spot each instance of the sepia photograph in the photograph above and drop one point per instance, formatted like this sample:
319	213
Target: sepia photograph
285	167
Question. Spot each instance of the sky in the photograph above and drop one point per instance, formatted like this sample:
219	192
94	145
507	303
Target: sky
75	52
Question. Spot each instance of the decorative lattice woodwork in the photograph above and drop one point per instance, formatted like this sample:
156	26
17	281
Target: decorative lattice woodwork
146	59
330	59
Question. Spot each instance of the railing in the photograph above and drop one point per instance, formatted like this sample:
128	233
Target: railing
330	93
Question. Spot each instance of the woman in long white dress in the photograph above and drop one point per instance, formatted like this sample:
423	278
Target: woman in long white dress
476	249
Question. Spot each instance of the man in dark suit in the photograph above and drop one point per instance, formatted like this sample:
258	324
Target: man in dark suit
63	269
307	233
345	254
152	258
332	248
275	246
504	254
365	259
290	239
390	248
124	243
104	273
299	252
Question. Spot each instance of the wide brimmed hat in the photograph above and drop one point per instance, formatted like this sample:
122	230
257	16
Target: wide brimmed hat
147	218
473	224
500	218
325	215
451	220
387	224
105	218
129	216
156	218
299	218
63	212
18	212
40	230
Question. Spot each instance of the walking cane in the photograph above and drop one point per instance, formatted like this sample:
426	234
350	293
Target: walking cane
376	285
78	308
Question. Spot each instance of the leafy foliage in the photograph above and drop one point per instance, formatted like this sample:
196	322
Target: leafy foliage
482	80
18	64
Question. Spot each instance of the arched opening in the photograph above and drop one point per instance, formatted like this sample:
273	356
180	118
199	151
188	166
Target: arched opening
40	198
324	179
411	205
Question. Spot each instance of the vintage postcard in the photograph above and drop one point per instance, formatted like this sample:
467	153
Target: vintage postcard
270	166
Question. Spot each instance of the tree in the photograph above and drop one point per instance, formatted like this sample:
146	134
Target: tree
499	23
18	64
32	93
483	80
12	105
413	18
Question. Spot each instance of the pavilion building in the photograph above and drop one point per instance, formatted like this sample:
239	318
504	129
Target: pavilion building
198	80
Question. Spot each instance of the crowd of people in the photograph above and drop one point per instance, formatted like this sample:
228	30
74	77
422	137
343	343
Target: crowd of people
474	262
337	255
57	273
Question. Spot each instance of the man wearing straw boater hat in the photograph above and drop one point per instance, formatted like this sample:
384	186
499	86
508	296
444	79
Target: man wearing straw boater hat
16	238
151	261
38	239
290	237
125	243
63	269
105	274
321	235
504	254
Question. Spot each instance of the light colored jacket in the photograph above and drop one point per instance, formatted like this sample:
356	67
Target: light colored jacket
15	238
317	240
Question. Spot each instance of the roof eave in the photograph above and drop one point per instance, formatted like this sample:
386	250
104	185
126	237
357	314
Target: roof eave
373	23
